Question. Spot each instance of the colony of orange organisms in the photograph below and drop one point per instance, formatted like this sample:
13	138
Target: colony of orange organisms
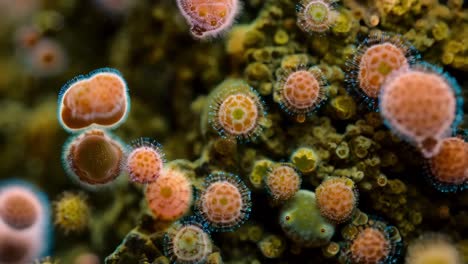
170	196
99	99
209	18
225	202
337	199
93	158
378	56
448	169
302	91
282	182
236	111
145	161
421	105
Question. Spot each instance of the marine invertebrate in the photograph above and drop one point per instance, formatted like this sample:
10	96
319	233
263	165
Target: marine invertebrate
187	242
25	232
72	212
433	248
315	15
421	105
236	111
302	222
301	91
170	195
376	57
272	246
209	18
225	201
375	242
46	57
337	199
305	159
145	160
448	169
282	182
99	99
18	209
93	158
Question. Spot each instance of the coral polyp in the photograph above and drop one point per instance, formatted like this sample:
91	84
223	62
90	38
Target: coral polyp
375	242
72	212
225	202
316	16
93	158
448	169
99	99
236	111
421	105
282	182
187	242
376	58
170	196
25	225
301	91
208	18
337	199
19	210
145	160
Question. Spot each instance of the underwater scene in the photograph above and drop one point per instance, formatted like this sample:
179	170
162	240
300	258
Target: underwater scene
233	131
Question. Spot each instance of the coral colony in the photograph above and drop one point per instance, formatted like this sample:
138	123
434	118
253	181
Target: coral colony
324	144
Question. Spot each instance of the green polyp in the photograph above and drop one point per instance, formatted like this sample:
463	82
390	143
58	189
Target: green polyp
259	171
318	12
384	68
96	159
238	114
302	222
305	159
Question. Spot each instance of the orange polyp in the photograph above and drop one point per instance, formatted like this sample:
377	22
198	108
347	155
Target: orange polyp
208	18
450	165
371	246
170	196
376	63
99	100
336	199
